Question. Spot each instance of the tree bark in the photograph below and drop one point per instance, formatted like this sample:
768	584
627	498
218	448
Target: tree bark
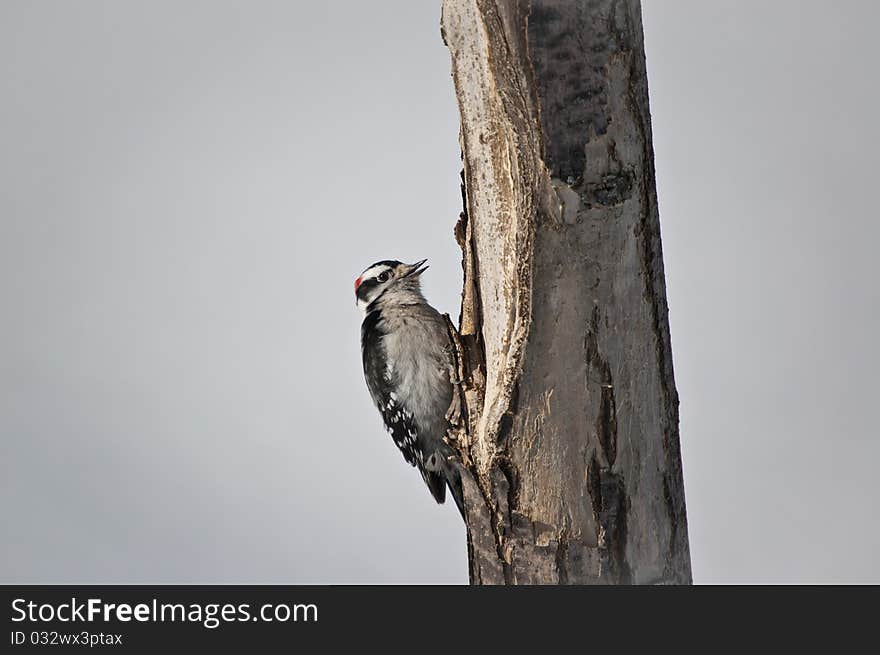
569	440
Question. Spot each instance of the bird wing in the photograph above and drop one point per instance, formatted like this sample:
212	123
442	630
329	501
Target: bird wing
398	421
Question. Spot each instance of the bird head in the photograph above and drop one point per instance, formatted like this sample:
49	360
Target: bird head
387	277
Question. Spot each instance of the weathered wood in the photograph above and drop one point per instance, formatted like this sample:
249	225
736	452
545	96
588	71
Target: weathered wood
570	435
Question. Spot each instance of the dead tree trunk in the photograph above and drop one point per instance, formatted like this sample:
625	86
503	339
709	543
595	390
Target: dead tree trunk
570	437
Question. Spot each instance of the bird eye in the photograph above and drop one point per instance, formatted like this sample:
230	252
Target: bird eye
382	277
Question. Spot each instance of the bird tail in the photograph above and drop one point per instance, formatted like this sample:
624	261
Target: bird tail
453	479
446	476
436	482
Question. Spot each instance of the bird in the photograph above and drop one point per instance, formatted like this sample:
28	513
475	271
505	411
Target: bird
407	358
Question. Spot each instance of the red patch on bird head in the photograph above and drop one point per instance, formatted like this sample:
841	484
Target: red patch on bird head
357	283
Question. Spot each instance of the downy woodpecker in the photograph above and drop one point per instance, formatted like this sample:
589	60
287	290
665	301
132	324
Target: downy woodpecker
408	369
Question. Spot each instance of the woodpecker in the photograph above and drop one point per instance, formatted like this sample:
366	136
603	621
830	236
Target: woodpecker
408	369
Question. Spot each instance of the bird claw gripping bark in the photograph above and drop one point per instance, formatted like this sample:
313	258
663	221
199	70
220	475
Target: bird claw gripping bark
453	414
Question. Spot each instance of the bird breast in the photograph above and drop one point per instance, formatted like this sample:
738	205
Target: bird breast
417	360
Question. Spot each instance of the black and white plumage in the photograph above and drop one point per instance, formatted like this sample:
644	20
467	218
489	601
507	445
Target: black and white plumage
407	366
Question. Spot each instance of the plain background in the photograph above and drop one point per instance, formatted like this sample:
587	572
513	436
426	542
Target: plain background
188	190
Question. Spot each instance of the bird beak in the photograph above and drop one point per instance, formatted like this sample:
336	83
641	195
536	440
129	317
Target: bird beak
416	269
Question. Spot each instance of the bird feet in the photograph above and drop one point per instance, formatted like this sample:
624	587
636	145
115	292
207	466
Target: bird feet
453	414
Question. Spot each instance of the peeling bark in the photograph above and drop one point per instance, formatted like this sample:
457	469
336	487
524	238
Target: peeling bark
569	442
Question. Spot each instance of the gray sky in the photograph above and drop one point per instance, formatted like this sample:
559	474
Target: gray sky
188	189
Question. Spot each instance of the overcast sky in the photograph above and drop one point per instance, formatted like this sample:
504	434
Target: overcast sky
188	189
